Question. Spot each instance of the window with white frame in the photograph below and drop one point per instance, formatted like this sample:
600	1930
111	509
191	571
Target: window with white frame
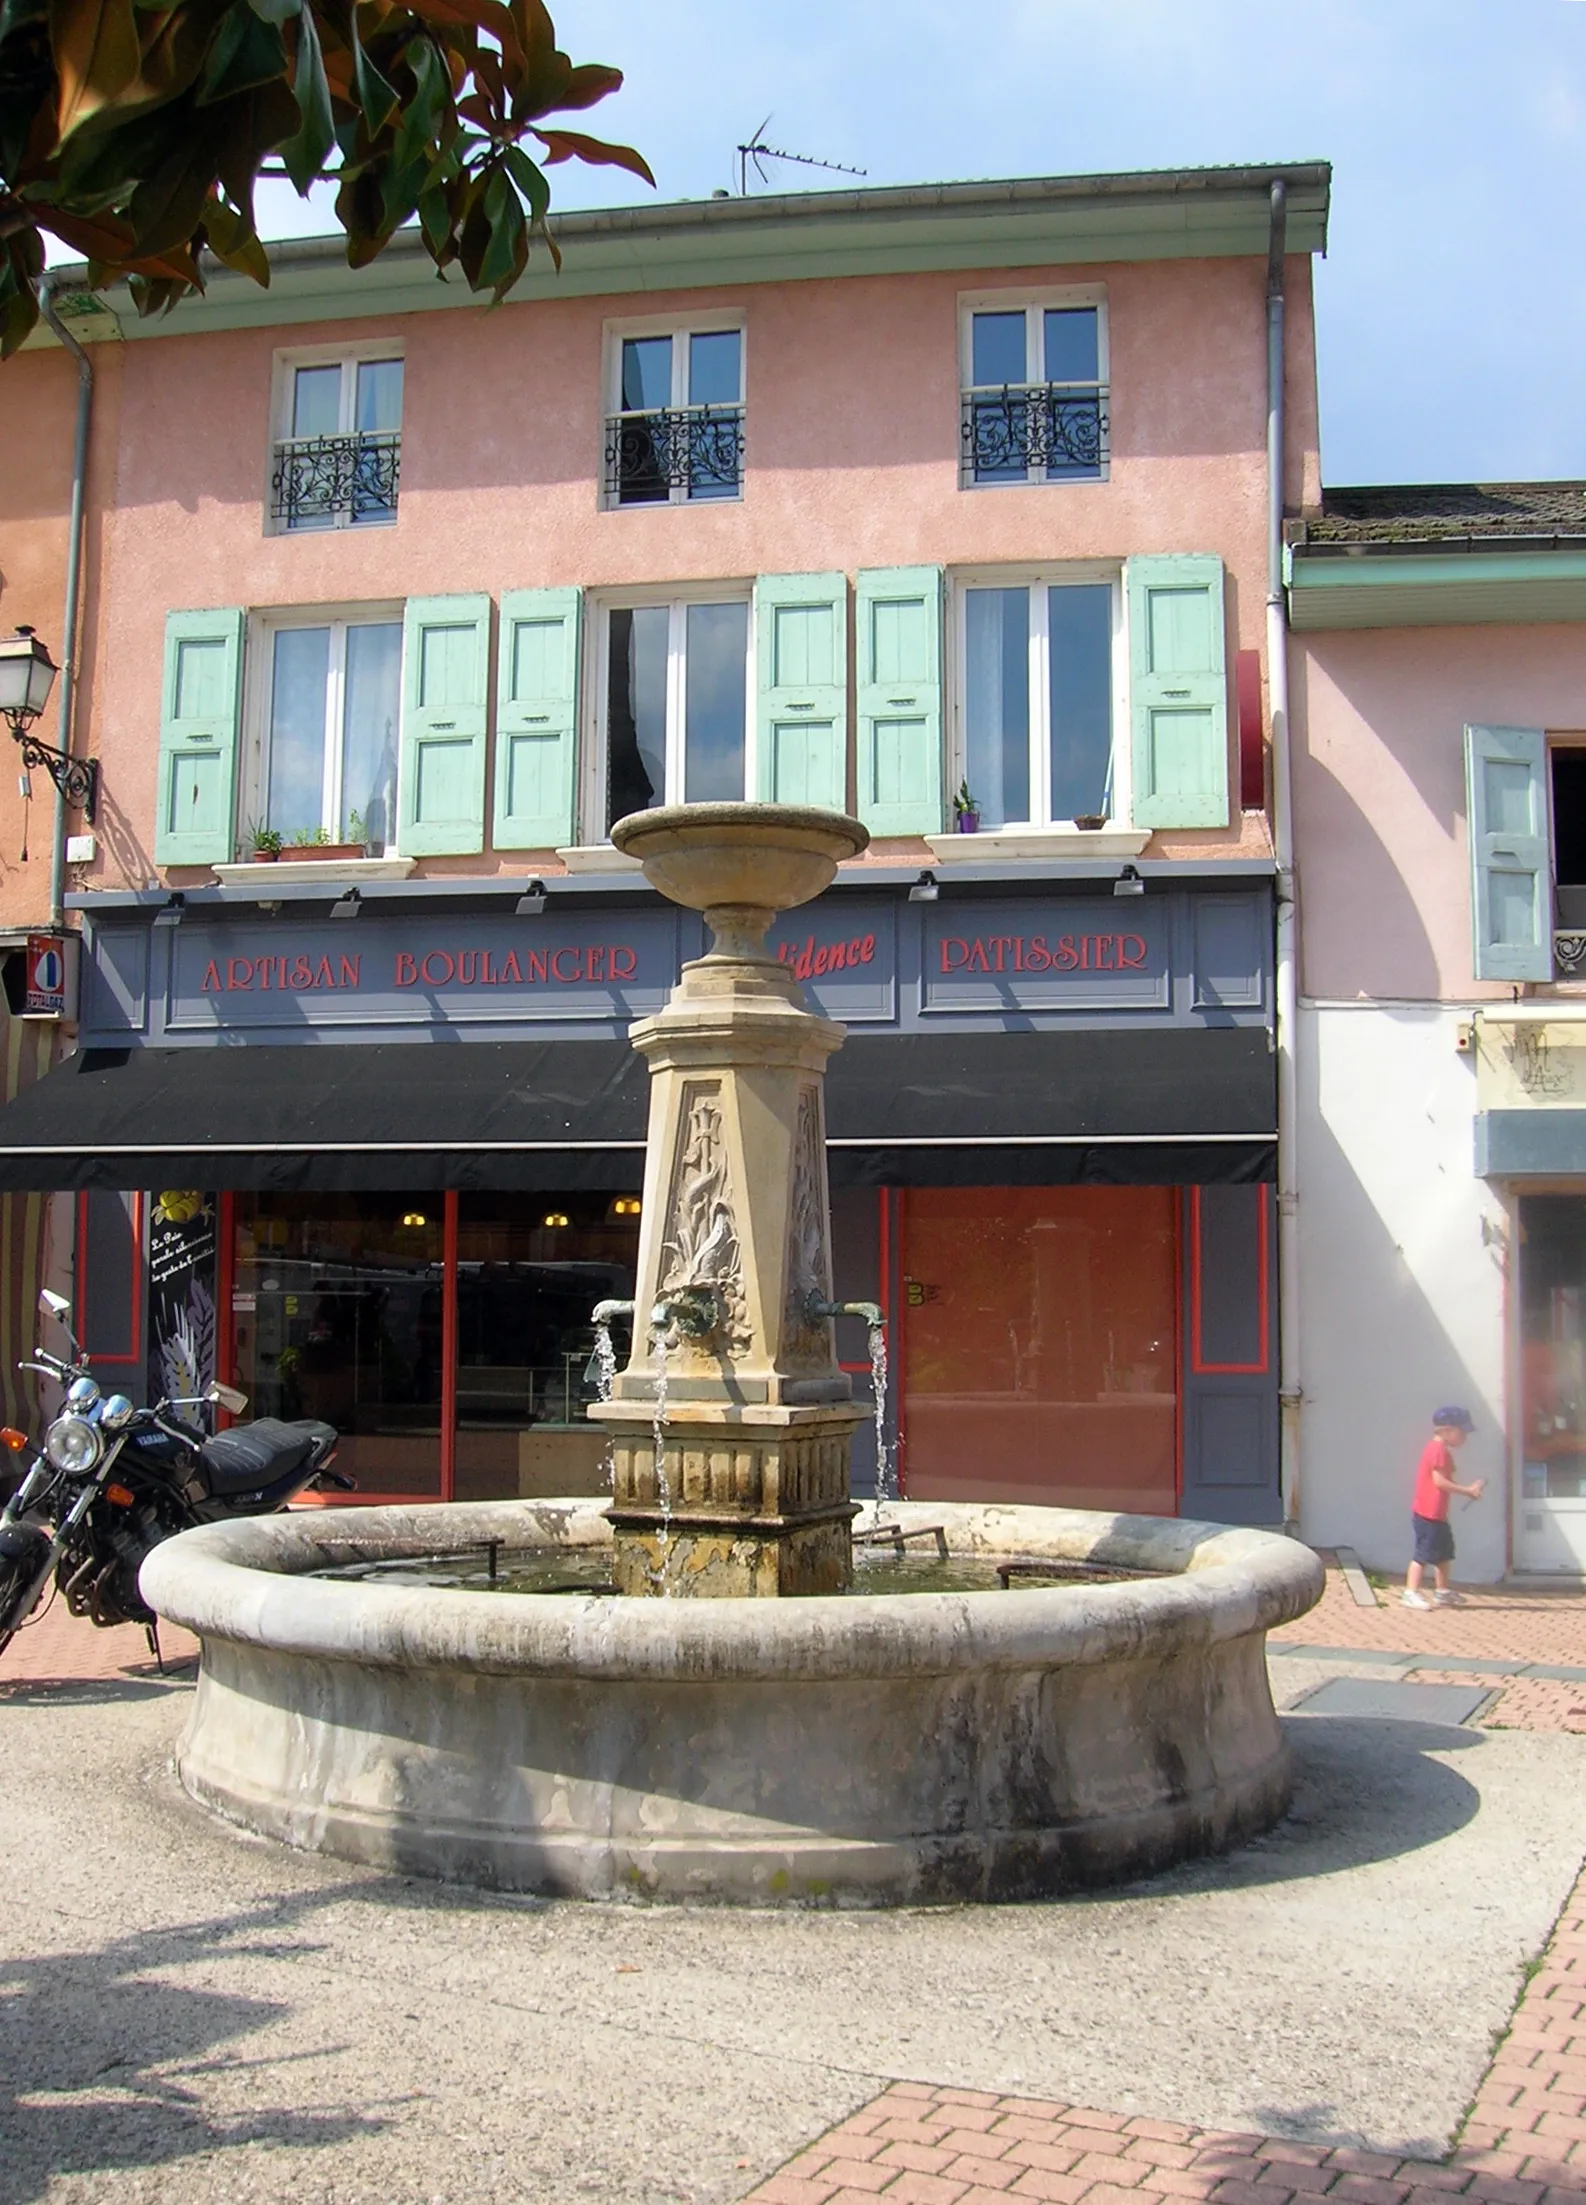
338	443
1034	390
323	762
674	422
673	703
1038	659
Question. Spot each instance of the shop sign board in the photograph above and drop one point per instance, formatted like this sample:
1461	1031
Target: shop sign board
1042	956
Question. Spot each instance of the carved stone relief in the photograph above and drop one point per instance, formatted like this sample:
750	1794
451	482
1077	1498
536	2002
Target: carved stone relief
699	1247
809	1266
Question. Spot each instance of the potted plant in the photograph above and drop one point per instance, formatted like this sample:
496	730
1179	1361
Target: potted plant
966	811
315	842
265	843
1090	822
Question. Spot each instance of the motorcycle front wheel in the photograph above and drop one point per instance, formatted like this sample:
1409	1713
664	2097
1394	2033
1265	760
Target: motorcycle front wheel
26	1558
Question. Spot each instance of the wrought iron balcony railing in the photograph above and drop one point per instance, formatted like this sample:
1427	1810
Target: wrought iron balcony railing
691	451
323	481
1035	432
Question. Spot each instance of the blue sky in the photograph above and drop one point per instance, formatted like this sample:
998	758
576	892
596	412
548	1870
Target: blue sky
1452	304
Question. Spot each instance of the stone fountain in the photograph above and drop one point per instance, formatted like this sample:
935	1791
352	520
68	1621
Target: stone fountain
830	1746
741	1488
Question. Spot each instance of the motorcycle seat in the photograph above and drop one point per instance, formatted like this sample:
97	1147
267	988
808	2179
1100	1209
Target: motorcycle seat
257	1455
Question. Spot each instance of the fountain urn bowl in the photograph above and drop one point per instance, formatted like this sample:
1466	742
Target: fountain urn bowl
741	1485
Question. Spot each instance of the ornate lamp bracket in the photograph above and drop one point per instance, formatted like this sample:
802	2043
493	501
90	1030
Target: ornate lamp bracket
76	778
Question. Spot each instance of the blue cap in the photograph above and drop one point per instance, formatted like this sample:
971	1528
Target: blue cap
1461	1419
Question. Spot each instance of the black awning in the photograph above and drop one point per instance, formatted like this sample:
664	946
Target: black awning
1169	1107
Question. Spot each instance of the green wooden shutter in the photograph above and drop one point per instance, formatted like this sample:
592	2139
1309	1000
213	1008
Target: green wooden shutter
536	719
899	648
445	680
801	675
200	713
1178	691
1505	789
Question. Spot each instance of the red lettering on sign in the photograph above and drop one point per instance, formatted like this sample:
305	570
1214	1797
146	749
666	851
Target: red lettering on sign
467	967
823	958
1067	956
566	978
594	961
211	978
323	976
406	970
350	967
867	949
951	942
509	970
629	965
1125	961
977	960
537	965
239	972
447	964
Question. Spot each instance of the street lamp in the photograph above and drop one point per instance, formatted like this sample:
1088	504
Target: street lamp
27	675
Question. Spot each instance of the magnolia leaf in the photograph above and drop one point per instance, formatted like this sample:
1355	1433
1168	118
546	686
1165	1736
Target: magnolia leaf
166	209
304	154
276	11
245	52
232	239
530	180
477	15
97	55
572	145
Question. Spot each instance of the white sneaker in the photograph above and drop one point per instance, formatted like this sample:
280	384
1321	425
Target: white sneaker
1415	1599
1448	1599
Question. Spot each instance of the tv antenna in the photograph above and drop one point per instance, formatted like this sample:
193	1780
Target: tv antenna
759	152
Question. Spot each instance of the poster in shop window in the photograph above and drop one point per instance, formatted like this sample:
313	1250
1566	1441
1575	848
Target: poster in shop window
181	1294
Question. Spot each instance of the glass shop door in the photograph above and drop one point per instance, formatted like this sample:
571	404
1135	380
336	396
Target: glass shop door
1550	1508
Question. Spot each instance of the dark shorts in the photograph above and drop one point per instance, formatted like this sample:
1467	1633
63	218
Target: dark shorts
1434	1542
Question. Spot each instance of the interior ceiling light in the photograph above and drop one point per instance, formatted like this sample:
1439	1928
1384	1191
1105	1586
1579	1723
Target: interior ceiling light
554	1217
627	1205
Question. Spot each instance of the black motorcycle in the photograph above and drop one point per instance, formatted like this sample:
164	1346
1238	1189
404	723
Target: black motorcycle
112	1481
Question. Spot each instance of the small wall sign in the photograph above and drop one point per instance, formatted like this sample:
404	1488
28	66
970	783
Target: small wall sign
51	966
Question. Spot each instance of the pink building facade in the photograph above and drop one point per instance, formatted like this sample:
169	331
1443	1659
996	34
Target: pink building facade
947	506
1439	672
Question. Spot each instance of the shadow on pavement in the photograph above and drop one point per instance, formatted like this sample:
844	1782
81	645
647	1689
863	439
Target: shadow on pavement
1364	1790
96	1691
100	2055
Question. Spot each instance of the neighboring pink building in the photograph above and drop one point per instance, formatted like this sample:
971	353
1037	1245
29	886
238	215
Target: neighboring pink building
1440	795
859	499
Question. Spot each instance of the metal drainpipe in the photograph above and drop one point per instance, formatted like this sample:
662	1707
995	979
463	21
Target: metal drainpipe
1287	1002
74	564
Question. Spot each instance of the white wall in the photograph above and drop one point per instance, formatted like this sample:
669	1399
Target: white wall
1402	1268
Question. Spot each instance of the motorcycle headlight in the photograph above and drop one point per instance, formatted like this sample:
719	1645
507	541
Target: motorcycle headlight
73	1445
115	1411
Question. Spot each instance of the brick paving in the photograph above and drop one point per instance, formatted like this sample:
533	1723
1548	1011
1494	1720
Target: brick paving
59	1648
1494	1630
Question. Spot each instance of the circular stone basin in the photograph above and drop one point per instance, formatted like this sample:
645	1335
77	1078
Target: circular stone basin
772	857
870	1750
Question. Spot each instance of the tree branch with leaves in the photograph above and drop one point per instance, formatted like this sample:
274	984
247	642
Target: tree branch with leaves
135	131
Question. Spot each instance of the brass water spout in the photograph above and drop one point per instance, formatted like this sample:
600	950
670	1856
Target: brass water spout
606	1313
817	1311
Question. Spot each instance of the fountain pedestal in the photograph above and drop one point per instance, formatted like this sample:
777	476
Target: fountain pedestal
736	1482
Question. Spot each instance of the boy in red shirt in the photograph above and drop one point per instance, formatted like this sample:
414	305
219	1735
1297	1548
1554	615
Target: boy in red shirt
1434	1482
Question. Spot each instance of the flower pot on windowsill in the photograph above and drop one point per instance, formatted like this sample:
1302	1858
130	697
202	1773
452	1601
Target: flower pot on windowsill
265	856
300	853
966	823
1090	823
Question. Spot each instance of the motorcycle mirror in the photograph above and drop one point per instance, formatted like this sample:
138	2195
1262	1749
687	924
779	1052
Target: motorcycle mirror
54	1305
227	1397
